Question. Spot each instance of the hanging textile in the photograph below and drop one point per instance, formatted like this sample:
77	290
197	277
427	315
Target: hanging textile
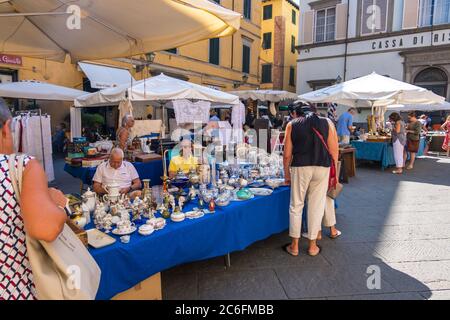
191	112
273	109
32	136
238	120
75	122
225	132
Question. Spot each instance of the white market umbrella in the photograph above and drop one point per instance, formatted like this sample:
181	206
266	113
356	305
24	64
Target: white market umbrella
372	90
103	29
265	95
36	90
425	107
158	89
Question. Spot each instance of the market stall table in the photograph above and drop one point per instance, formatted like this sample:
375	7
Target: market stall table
382	152
229	229
147	170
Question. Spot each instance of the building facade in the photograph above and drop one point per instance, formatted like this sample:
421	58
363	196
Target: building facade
408	40
279	36
229	63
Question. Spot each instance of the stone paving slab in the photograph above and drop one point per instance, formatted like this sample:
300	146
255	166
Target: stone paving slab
259	284
429	275
274	256
180	286
341	253
383	296
412	250
439	295
327	281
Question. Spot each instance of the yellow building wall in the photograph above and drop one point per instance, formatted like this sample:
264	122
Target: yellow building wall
193	60
280	8
290	59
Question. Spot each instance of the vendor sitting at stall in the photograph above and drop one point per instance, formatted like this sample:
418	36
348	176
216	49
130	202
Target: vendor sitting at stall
116	170
185	161
123	135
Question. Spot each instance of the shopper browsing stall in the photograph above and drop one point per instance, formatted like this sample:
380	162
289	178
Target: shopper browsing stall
124	140
413	139
398	140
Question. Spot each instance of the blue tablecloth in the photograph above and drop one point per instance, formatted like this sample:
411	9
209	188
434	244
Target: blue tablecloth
229	229
149	170
380	151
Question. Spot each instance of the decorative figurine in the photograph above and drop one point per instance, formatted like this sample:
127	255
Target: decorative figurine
181	202
212	206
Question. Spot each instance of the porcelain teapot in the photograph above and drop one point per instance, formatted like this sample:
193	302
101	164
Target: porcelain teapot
89	199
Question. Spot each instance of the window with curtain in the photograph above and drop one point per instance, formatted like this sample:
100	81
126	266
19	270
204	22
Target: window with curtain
267	40
325	26
248	9
434	12
267	12
266	73
246	58
214	51
292	76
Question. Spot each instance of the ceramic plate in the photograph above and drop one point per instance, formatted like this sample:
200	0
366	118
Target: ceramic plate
237	199
118	233
261	191
194	214
98	239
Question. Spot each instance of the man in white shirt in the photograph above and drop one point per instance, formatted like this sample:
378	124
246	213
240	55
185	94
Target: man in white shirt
116	170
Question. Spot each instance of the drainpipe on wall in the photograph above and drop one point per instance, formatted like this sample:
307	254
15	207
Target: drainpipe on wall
232	44
346	42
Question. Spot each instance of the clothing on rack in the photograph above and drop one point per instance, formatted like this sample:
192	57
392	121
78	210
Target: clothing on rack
189	112
31	140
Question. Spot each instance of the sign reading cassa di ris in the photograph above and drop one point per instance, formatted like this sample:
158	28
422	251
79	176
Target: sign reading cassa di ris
413	40
10	59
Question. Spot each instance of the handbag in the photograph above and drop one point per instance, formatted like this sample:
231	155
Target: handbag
334	187
334	193
63	269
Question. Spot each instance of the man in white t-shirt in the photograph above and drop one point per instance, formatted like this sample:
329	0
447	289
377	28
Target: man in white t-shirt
116	170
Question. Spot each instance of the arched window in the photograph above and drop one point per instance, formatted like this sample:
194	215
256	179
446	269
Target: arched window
433	79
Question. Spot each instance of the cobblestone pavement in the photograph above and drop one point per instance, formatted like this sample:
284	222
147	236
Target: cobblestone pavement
398	223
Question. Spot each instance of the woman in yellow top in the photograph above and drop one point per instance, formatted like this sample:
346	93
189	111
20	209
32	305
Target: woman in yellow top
185	161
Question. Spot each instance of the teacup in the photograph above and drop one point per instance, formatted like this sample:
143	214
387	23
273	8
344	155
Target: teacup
110	198
125	226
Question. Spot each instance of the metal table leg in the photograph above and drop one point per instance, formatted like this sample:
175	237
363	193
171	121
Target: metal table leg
227	261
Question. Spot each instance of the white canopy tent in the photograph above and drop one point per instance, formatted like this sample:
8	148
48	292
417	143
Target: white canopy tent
35	90
445	106
372	90
156	91
265	95
92	30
